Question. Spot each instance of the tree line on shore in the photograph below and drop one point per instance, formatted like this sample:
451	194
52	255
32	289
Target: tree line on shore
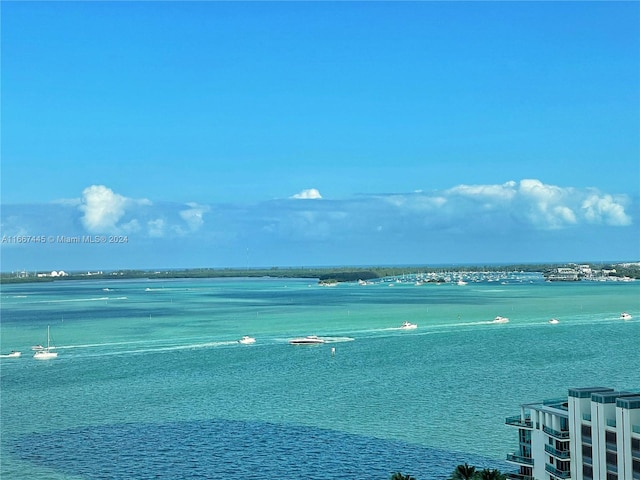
323	274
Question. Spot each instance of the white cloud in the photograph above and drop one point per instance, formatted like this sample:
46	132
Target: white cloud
512	218
103	209
506	191
531	202
308	194
546	206
193	216
605	209
106	211
528	204
508	208
156	227
131	226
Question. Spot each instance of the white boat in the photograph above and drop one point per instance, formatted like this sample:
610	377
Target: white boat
625	316
461	283
247	340
408	326
554	321
308	340
45	353
13	354
500	319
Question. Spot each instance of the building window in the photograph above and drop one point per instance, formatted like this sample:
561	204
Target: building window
586	432
525	436
612	459
587	472
587	453
564	424
610	437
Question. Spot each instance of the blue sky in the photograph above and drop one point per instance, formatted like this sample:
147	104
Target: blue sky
215	134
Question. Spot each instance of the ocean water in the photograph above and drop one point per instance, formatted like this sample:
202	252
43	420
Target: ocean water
150	381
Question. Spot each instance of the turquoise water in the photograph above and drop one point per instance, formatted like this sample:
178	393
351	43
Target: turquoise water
150	381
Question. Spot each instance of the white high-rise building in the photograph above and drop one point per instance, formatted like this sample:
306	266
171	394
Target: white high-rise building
594	434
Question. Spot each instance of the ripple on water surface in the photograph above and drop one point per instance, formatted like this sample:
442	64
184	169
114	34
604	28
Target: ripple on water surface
219	448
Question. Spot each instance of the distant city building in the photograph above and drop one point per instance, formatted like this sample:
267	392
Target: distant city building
585	270
61	273
563	274
594	434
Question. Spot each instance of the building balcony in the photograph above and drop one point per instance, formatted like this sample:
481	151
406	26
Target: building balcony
556	472
517	421
560	403
518	476
519	459
556	434
561	454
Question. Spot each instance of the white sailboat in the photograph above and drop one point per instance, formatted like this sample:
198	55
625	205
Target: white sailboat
46	353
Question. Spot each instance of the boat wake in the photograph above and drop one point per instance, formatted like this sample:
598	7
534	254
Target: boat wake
158	349
73	300
337	339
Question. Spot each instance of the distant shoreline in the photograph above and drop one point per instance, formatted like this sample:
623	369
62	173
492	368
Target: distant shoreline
331	274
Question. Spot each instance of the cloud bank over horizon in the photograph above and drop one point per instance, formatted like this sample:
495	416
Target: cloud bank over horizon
528	204
504	211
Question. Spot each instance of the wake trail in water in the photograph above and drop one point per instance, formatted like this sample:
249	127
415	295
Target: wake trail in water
96	351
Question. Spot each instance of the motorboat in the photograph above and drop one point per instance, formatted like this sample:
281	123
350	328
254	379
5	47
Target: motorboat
13	354
554	321
408	326
247	340
500	319
308	340
46	353
625	316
